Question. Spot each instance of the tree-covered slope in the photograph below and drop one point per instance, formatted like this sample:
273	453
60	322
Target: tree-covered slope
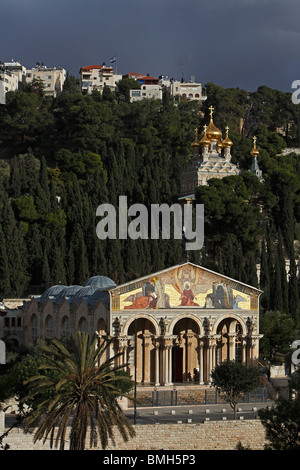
62	157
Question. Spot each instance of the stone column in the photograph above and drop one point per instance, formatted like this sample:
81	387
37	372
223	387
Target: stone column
157	363
189	341
146	364
167	361
231	339
170	364
200	362
213	354
2	422
165	364
255	348
244	350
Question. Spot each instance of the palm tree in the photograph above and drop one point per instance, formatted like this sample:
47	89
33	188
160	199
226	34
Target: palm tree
79	392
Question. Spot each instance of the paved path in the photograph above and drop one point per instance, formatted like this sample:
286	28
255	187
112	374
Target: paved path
194	413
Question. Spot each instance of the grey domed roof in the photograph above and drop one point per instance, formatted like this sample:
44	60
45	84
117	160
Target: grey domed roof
93	290
101	282
67	292
51	292
83	293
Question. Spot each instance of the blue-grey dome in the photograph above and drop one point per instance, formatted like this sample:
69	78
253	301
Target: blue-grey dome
67	292
51	292
83	293
101	282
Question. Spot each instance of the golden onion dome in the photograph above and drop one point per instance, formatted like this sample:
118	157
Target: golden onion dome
213	133
196	141
227	142
205	140
220	144
254	152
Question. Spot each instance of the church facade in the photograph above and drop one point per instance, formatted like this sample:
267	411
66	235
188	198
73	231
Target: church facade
173	326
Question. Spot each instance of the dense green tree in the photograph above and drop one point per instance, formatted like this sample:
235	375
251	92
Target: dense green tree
63	156
278	330
232	379
81	390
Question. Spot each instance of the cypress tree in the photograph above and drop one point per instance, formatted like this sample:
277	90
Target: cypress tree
4	267
46	276
293	291
287	219
283	275
264	282
276	288
16	252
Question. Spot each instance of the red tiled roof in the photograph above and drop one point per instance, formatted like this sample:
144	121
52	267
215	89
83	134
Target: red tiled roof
89	67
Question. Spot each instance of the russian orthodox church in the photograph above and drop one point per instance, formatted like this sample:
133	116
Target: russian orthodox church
211	158
170	327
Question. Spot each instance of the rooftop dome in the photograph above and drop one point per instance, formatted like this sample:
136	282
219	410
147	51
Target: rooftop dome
254	152
212	132
52	291
101	282
227	142
82	293
67	292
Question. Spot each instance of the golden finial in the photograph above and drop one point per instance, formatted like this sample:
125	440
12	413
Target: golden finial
211	111
196	141
254	152
227	142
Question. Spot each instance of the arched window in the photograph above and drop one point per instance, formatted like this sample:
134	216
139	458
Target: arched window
65	327
34	328
49	327
83	326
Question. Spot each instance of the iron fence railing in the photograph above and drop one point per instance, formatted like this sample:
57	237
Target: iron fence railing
177	397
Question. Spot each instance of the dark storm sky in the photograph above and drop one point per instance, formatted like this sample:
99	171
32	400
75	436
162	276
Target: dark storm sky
233	43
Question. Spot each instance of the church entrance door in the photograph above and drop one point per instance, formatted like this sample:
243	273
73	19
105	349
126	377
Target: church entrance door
177	362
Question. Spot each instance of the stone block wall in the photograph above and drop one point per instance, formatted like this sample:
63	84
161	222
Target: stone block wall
210	435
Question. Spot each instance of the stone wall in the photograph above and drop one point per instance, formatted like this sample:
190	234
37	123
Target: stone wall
210	435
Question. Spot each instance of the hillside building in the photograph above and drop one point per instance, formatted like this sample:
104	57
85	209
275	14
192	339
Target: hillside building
211	158
8	82
96	77
150	87
53	78
181	321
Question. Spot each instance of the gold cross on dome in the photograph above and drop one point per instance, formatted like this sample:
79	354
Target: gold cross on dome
196	131
254	140
211	111
227	129
205	127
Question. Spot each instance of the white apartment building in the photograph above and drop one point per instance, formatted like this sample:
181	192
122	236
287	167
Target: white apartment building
16	69
8	82
146	92
53	78
186	90
96	77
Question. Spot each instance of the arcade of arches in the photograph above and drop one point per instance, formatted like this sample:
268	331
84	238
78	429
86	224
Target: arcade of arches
188	352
